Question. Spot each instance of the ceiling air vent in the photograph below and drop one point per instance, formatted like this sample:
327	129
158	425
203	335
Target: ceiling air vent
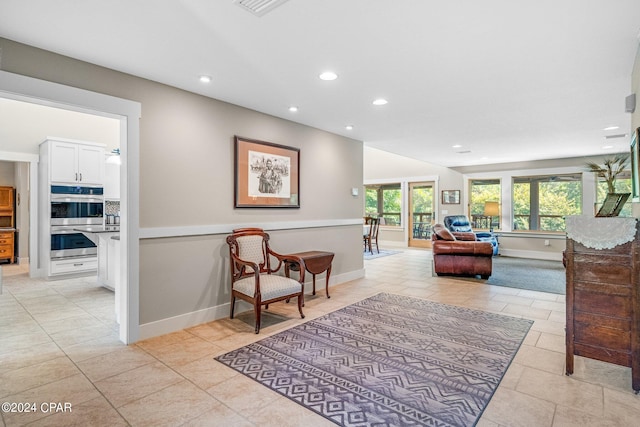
259	7
463	152
620	135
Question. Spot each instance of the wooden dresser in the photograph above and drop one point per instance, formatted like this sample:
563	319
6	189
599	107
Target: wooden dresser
7	224
603	301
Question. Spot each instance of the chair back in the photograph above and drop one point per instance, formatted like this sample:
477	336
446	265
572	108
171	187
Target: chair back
250	245
375	225
368	219
457	223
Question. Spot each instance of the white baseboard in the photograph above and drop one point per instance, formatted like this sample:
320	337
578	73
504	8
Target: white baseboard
518	253
194	318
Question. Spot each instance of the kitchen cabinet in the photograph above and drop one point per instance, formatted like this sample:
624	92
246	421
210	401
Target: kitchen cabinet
75	162
112	181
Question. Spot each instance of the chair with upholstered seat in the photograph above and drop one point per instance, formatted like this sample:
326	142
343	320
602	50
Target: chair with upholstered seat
252	277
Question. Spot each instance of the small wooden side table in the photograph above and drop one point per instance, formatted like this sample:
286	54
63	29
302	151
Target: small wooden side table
315	262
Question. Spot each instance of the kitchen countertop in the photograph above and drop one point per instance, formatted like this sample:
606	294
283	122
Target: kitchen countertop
99	229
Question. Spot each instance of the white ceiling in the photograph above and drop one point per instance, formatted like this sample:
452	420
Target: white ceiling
506	80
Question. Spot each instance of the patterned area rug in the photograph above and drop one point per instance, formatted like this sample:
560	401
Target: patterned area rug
383	253
388	360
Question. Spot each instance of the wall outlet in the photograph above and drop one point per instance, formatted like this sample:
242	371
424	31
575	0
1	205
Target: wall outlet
546	243
445	211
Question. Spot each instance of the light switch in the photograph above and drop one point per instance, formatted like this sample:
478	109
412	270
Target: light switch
354	191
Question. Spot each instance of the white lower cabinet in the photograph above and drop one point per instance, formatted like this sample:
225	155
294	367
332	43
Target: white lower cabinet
76	265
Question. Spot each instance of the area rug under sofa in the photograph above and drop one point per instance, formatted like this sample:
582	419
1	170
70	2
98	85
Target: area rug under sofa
388	360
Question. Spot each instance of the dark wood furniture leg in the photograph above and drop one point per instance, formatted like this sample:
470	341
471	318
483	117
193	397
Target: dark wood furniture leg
315	262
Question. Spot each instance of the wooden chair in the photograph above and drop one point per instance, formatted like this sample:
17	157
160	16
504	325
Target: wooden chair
252	277
369	239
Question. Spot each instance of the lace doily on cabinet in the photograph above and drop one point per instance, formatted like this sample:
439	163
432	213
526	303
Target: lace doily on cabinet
600	233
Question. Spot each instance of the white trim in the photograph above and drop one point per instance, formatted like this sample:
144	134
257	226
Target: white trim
519	253
405	179
11	156
188	320
16	86
202	230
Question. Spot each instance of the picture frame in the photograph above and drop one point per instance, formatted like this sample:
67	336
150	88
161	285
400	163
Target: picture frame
450	197
612	204
267	175
635	164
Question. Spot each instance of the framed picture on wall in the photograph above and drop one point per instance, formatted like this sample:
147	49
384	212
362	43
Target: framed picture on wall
450	197
635	159
267	175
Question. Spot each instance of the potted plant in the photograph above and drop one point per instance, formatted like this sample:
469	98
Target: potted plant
609	170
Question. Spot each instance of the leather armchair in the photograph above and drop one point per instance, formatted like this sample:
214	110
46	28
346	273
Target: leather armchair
460	227
452	256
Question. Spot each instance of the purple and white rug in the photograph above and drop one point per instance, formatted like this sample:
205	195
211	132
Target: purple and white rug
388	360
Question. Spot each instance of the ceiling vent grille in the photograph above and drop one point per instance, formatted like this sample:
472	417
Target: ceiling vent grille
620	135
259	7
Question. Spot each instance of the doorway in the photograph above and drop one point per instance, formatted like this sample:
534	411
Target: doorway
17	87
421	208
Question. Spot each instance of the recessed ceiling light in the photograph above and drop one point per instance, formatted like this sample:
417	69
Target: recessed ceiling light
456	146
205	79
328	76
349	127
293	108
611	128
607	147
380	101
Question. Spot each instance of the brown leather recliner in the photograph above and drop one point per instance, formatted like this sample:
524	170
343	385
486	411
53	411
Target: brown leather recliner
454	256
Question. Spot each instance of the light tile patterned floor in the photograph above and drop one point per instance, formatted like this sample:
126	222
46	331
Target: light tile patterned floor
58	343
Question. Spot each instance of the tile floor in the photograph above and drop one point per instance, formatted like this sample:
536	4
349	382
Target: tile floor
58	343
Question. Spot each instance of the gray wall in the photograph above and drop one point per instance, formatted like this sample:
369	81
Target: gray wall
186	179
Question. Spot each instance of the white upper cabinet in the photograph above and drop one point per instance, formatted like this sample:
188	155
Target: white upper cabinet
76	163
112	181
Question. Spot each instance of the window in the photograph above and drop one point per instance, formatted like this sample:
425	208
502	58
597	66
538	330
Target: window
623	185
483	190
384	200
541	202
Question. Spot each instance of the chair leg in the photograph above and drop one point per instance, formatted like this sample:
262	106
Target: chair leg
233	305
257	309
300	304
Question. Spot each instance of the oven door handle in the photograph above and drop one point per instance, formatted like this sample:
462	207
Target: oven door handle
58	199
64	230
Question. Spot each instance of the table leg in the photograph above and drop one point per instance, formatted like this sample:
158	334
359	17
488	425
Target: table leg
327	285
314	283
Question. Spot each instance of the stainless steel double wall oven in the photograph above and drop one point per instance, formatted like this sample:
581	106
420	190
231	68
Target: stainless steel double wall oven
73	207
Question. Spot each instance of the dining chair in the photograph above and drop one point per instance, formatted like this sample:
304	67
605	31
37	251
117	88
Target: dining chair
252	278
372	236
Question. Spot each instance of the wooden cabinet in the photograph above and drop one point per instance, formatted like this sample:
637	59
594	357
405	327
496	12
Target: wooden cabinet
7	224
75	162
603	304
6	199
7	245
